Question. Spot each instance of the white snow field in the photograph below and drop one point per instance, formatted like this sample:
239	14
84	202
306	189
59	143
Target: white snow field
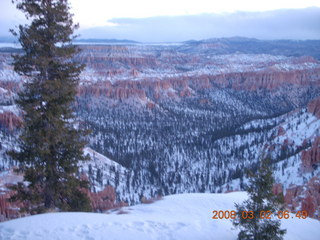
184	216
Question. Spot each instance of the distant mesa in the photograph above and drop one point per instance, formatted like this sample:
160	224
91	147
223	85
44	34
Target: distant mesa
104	41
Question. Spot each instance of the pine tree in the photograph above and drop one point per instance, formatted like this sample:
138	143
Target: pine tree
255	225
50	145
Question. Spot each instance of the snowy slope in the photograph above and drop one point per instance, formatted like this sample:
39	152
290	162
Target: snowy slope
103	166
186	216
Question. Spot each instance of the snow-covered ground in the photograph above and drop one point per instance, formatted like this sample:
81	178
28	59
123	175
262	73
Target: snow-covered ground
185	216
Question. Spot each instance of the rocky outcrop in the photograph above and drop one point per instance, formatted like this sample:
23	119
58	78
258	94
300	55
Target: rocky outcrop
9	210
107	90
305	198
281	131
310	159
100	202
112	57
9	88
10	121
277	189
268	79
154	69
6	211
105	200
314	107
291	197
185	85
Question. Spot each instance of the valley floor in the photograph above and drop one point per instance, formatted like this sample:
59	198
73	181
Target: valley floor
184	216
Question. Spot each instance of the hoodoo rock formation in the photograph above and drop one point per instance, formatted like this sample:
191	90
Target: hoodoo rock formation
105	200
314	107
9	120
305	198
311	158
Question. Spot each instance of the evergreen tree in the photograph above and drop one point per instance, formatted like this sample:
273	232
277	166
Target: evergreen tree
254	218
50	144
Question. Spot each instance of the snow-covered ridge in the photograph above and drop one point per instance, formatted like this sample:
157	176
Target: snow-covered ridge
102	171
137	63
300	128
187	217
100	160
140	62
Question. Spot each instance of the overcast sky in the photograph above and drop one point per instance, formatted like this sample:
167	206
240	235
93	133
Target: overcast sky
180	20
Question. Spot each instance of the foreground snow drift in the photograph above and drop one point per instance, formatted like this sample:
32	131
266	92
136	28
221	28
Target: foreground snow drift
185	216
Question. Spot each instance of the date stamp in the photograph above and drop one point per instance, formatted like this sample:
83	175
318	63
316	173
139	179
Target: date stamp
261	215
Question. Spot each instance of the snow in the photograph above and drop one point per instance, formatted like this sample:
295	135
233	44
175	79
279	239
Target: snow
107	167
305	128
12	108
9	177
3	91
165	61
9	44
184	216
100	160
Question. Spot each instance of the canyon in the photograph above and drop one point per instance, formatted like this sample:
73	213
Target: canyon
189	117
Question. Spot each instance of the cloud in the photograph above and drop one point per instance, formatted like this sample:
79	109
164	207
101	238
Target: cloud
278	24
